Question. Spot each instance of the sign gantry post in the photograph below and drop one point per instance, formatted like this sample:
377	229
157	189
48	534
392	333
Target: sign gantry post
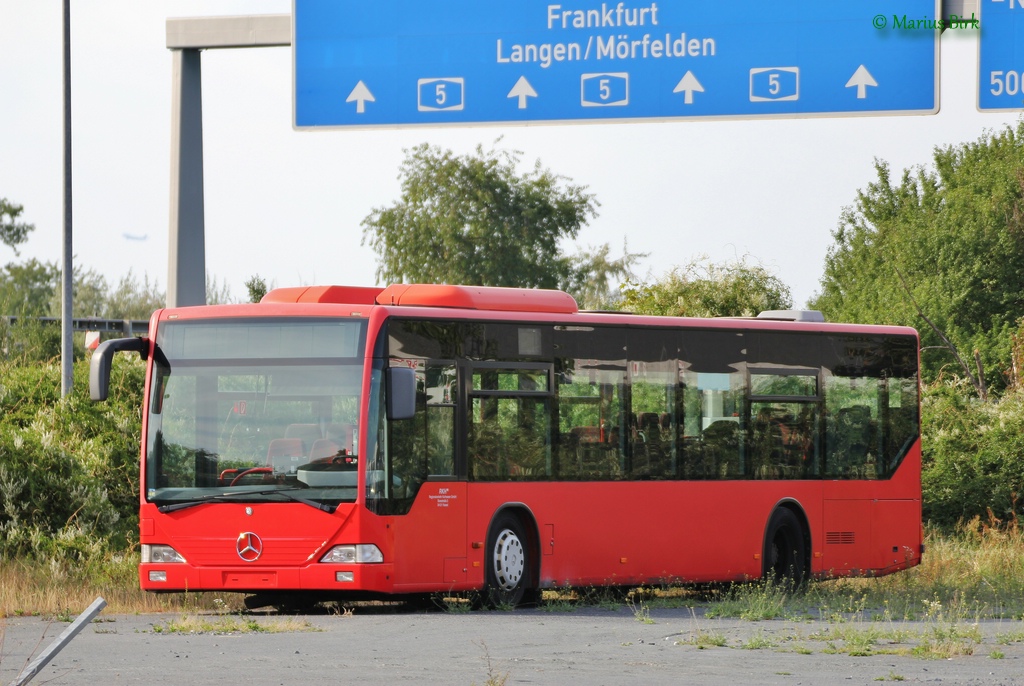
186	36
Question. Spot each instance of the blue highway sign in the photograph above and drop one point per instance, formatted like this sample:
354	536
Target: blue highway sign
459	62
1001	56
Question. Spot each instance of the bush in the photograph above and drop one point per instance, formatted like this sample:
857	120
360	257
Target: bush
68	467
973	454
30	341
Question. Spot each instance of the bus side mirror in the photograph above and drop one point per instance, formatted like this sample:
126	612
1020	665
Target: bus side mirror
401	390
99	366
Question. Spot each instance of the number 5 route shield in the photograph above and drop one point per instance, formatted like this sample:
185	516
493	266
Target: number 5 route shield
439	95
461	62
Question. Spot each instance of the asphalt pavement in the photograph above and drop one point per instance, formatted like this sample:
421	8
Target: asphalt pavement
531	646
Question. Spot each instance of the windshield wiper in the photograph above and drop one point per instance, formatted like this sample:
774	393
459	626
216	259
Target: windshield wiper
220	497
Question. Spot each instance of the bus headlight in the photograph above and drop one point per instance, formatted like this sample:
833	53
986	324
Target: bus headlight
353	554
160	554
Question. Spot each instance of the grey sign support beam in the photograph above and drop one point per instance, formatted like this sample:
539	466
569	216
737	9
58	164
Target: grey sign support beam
33	669
959	8
186	36
186	249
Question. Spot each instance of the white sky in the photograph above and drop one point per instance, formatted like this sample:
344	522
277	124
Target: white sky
288	205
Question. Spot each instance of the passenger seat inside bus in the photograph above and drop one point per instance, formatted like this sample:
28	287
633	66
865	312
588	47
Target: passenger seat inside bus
720	450
311	433
285	454
852	441
324	449
341	434
307	433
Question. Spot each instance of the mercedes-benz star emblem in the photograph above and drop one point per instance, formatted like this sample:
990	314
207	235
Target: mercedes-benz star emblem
249	546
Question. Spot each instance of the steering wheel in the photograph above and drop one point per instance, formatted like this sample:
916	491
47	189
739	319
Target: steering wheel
254	470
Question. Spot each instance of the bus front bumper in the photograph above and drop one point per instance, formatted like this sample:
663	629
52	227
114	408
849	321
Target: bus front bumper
374	578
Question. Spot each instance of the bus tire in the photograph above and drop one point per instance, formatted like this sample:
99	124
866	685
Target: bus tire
785	551
507	574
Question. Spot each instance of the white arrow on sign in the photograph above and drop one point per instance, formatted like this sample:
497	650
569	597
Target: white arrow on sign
522	90
688	84
360	95
861	78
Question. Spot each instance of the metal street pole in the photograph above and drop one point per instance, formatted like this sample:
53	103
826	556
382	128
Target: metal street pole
67	271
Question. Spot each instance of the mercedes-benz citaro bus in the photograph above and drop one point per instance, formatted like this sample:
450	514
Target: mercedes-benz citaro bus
362	442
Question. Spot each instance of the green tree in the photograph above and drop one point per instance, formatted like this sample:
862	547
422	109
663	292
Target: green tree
942	249
705	289
217	293
32	289
26	289
12	232
474	219
257	287
134	299
88	293
593	272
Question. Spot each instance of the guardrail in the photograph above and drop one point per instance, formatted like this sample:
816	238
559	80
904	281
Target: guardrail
122	326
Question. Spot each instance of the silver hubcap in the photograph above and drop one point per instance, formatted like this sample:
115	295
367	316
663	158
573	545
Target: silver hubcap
509	562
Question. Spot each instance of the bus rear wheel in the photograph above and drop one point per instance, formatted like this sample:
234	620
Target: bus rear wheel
507	574
785	550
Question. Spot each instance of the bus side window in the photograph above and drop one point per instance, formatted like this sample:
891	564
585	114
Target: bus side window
440	398
901	425
783	439
718	451
508	442
590	416
424	445
712	404
852	427
653	395
509	417
766	452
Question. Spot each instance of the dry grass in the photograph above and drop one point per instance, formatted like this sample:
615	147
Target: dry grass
50	590
231	624
976	573
979	571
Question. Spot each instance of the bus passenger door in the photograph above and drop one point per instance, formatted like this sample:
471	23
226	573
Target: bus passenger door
430	541
430	537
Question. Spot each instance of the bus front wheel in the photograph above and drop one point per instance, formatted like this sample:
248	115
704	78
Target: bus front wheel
785	550
508	563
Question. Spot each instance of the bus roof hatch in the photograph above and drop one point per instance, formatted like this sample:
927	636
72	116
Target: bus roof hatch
347	295
432	295
793	315
479	298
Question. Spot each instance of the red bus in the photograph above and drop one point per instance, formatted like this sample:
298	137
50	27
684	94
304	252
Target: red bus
426	438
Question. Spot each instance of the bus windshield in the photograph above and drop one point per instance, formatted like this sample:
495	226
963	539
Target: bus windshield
255	410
